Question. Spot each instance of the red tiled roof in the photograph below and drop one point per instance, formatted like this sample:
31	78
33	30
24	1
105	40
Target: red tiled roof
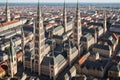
2	16
1	69
18	56
82	59
106	44
115	36
8	23
51	24
108	78
31	41
4	63
99	42
29	25
91	27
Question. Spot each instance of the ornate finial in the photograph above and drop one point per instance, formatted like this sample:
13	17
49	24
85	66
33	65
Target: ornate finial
77	4
77	9
105	21
64	4
64	17
39	11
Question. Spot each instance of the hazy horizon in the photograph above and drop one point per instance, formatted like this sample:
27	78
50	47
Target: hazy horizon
61	1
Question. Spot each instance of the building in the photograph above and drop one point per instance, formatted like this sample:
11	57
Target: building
59	29
62	38
53	65
114	71
52	55
106	45
94	56
17	40
95	68
115	27
94	27
7	12
12	60
105	22
70	74
103	50
71	51
80	77
39	42
96	31
87	40
111	39
64	18
77	29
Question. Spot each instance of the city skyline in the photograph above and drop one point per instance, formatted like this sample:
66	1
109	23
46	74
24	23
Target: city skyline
88	1
57	40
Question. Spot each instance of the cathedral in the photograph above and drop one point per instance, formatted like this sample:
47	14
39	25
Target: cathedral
52	55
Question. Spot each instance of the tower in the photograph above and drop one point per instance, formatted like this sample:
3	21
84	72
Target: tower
95	36
12	61
77	31
64	17
23	45
69	51
7	12
52	65
39	41
105	22
52	68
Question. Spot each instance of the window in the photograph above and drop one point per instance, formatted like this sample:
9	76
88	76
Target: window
36	62
52	71
110	73
36	38
52	67
36	52
75	36
14	58
37	31
75	30
36	45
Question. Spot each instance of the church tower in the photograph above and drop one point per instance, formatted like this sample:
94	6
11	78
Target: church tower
105	22
77	33
23	45
69	51
64	17
7	12
39	41
52	64
12	61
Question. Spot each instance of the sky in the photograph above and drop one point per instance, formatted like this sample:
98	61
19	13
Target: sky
88	1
